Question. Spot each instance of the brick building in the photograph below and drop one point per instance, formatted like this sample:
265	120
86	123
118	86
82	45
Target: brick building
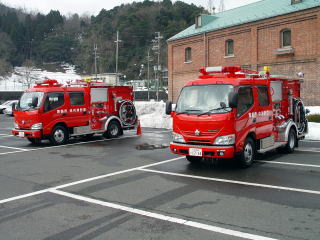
282	34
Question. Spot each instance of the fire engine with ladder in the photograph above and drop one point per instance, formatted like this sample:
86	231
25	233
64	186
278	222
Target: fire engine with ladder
57	112
231	112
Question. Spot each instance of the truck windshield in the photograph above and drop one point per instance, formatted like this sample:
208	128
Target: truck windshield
204	99
30	101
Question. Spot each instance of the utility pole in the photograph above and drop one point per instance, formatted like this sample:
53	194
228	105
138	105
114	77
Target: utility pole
149	59
95	49
157	47
117	55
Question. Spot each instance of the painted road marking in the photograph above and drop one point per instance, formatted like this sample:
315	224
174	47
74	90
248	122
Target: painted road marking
163	217
234	182
289	163
20	149
66	145
86	180
317	150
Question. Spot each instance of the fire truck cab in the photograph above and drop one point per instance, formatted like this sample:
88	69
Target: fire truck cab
230	112
56	112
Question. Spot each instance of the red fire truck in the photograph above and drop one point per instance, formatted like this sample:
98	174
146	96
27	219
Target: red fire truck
230	112
57	112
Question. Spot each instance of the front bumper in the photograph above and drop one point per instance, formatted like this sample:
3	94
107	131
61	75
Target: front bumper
27	133
207	151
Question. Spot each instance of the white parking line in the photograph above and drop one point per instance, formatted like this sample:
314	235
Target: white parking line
317	150
65	145
163	217
20	149
86	180
289	163
234	182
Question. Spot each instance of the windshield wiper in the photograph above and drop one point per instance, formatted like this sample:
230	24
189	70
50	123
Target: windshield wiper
188	111
214	109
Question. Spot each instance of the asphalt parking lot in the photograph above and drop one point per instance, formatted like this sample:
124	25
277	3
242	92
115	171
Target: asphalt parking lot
134	188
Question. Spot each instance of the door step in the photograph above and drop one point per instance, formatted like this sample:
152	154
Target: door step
275	146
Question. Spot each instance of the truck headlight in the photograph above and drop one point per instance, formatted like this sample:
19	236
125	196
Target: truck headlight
177	138
36	126
225	140
16	126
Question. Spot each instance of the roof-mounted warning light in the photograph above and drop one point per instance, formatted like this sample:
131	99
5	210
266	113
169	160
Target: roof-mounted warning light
220	69
47	82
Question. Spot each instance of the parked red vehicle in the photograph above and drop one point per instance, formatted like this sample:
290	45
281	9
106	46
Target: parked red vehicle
232	112
56	112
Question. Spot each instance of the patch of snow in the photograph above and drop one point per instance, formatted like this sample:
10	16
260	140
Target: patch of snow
314	109
152	114
314	131
16	81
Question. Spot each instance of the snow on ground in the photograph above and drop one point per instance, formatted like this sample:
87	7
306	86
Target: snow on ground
314	131
16	80
314	109
152	114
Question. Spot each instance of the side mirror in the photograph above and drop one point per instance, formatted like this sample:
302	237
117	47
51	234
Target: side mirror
307	111
34	102
14	105
233	99
168	107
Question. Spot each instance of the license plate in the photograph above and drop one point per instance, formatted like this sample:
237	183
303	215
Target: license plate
197	152
21	134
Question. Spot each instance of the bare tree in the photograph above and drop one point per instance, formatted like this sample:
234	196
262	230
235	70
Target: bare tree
28	74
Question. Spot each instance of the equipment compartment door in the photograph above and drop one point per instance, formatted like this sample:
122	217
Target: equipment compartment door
264	124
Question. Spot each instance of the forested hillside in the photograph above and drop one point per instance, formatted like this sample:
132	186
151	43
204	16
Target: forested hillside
38	39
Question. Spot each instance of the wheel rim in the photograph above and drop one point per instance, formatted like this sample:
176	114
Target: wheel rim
291	141
248	153
59	135
114	130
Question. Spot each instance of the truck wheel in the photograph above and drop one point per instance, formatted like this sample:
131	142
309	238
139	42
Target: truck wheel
114	129
194	160
248	153
35	141
59	135
292	141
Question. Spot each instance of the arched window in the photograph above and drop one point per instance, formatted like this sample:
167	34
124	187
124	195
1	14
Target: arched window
286	38
229	48
188	55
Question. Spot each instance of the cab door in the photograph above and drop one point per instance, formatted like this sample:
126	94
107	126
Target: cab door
264	124
245	114
54	110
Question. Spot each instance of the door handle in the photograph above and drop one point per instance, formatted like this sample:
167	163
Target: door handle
254	120
84	113
63	114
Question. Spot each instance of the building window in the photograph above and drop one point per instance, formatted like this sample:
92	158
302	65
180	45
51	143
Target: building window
188	55
286	38
229	48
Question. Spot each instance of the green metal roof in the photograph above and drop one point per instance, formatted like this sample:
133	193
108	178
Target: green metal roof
248	13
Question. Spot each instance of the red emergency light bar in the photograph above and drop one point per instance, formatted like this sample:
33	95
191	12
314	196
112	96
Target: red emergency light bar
230	69
47	82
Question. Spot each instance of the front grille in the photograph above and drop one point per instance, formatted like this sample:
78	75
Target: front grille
202	133
200	143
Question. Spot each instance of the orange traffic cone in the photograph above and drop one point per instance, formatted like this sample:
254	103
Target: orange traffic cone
139	131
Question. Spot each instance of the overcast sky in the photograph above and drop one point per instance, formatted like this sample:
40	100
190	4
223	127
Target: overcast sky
93	7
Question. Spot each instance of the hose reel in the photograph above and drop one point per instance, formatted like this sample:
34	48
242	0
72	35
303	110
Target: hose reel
127	113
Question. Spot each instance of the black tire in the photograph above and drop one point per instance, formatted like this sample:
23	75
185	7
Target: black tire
35	141
114	130
194	160
292	141
59	135
247	156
